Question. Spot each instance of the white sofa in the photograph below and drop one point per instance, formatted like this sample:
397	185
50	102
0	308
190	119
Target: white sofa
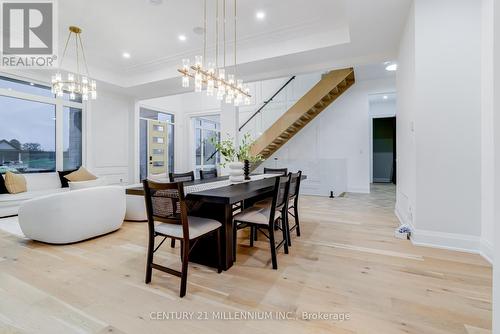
77	215
136	206
38	184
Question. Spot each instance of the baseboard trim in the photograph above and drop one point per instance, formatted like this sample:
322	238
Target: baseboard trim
399	216
450	241
486	250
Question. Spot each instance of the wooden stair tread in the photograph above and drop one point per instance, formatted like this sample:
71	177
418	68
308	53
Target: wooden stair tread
332	85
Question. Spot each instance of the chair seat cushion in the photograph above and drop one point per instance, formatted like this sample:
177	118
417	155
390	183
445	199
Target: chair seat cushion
254	215
198	226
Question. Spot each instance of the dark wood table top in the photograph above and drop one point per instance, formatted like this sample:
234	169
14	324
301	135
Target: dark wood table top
230	194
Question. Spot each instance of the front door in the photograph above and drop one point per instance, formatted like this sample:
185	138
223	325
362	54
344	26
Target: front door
157	147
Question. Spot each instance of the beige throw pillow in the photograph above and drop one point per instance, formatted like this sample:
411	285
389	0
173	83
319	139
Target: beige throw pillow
80	175
15	183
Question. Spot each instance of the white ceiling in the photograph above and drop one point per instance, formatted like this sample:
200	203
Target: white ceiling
150	32
296	36
373	71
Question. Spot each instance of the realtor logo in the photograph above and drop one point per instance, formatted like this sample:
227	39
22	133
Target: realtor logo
28	34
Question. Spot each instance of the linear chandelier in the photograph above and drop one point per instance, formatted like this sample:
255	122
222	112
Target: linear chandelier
78	82
230	89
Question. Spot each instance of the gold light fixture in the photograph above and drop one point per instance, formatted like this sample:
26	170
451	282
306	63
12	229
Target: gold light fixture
77	82
230	89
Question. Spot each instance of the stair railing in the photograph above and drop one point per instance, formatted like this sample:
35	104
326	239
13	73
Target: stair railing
266	102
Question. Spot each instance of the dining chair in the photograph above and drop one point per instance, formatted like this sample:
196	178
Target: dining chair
265	219
267	201
180	177
282	171
293	205
208	174
167	218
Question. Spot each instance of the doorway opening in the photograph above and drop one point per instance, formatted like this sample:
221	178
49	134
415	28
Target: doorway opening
384	150
156	143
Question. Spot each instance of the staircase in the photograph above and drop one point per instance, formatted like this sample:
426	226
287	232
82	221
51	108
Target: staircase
330	87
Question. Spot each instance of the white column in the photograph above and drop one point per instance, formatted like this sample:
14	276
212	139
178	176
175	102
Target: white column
229	121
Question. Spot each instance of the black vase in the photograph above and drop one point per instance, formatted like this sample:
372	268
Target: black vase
246	169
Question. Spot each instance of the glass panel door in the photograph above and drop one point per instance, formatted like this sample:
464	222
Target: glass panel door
205	129
157	147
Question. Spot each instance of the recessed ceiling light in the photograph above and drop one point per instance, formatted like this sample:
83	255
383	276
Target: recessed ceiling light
386	97
260	15
126	55
156	2
32	84
182	38
391	67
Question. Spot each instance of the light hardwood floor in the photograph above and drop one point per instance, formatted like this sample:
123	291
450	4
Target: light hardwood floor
347	260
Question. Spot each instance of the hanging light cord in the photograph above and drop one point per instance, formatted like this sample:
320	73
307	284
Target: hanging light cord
235	39
65	49
78	42
77	57
83	55
205	32
217	34
224	28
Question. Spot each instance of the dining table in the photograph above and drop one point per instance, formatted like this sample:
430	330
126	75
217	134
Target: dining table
216	198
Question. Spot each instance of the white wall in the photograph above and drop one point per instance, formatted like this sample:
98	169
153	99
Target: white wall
405	135
495	8
381	109
439	125
337	139
110	139
487	134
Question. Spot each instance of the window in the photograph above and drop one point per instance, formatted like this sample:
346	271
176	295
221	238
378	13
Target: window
25	87
78	97
205	155
27	136
169	120
29	130
72	138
